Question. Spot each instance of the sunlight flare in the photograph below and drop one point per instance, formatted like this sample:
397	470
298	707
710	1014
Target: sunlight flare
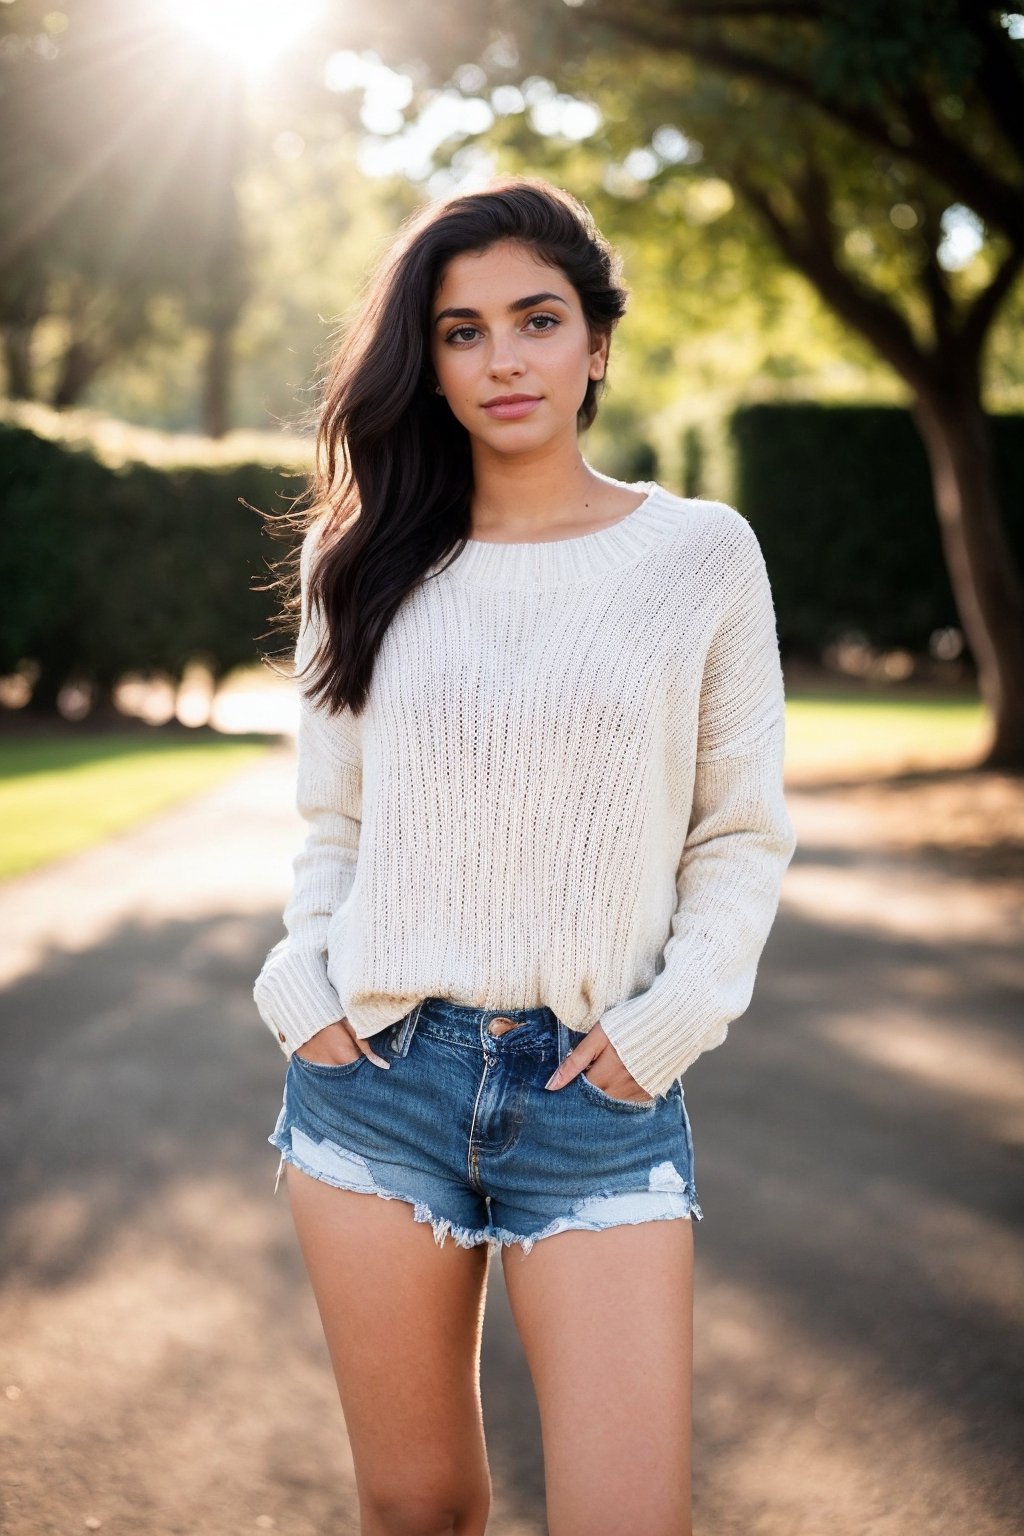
254	33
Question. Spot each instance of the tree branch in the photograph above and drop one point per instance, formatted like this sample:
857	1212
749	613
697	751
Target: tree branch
863	309
998	201
937	290
982	312
930	148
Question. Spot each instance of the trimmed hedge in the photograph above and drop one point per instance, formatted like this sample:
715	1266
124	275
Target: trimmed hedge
137	568
841	499
111	568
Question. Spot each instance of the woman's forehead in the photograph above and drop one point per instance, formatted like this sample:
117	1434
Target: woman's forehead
490	272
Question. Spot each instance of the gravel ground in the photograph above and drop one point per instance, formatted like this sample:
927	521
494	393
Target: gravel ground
858	1139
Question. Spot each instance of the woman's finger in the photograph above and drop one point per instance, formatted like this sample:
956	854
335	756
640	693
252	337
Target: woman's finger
576	1062
378	1061
364	1046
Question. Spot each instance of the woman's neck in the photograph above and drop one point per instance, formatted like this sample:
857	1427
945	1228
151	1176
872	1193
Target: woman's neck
532	503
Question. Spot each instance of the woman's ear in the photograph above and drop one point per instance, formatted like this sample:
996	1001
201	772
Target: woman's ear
599	358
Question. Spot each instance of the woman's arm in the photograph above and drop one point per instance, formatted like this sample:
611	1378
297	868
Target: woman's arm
293	995
738	847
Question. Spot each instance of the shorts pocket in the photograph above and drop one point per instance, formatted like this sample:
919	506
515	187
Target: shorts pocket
609	1101
328	1069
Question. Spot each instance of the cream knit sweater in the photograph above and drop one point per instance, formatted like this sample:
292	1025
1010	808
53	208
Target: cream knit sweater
566	789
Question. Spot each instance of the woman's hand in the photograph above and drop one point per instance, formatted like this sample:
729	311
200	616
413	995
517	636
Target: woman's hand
612	1077
336	1045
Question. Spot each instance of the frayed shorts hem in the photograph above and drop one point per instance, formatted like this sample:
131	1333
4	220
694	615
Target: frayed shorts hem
681	1206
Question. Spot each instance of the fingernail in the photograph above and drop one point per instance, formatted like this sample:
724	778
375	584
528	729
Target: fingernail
551	1080
380	1062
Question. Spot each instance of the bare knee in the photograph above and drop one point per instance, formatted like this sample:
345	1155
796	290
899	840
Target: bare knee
394	1510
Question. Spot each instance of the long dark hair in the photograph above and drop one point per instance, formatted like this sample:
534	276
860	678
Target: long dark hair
391	491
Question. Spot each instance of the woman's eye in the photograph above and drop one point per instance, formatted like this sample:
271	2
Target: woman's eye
466	332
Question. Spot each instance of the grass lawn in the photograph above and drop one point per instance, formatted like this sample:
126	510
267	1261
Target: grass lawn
848	735
66	790
63	792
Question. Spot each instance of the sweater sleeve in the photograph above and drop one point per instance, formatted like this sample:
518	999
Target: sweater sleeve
738	846
292	992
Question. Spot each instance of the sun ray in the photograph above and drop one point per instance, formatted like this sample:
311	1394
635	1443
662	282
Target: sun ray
252	33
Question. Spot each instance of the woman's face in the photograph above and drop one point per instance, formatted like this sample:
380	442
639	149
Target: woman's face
488	349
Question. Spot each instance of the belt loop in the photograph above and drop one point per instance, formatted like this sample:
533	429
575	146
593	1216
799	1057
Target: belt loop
406	1029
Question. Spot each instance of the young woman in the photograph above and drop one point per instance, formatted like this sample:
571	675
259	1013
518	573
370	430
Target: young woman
540	755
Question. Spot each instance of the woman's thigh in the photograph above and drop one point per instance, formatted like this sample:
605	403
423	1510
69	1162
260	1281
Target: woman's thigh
606	1320
402	1318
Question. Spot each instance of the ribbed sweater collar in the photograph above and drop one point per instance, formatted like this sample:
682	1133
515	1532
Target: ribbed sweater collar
549	562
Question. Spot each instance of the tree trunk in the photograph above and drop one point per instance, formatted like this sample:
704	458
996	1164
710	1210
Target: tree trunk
986	583
18	360
47	686
79	367
216	410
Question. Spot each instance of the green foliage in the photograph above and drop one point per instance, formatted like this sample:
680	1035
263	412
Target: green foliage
125	142
39	550
876	47
736	149
136	568
841	500
148	198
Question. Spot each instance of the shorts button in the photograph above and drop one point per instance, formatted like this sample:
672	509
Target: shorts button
501	1025
280	1036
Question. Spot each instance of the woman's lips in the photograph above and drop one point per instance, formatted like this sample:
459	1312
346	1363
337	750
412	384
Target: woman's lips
512	411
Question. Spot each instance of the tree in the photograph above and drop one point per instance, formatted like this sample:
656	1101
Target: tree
124	143
860	137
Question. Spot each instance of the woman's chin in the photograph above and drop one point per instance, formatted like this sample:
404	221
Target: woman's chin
512	438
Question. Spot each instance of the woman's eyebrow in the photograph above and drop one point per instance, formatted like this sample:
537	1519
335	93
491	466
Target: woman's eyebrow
513	308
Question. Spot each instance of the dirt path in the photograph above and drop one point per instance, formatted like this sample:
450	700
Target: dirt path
859	1271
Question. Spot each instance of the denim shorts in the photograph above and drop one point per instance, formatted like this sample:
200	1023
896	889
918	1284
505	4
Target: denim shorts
461	1126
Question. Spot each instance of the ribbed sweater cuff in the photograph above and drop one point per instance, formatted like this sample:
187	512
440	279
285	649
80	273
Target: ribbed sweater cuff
294	997
657	1042
707	980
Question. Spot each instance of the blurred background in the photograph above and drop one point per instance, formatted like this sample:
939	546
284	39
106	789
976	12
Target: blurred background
821	214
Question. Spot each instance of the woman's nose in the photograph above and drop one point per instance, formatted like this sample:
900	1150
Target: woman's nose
504	357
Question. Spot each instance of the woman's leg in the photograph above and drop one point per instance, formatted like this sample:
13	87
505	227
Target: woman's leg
403	1320
606	1319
